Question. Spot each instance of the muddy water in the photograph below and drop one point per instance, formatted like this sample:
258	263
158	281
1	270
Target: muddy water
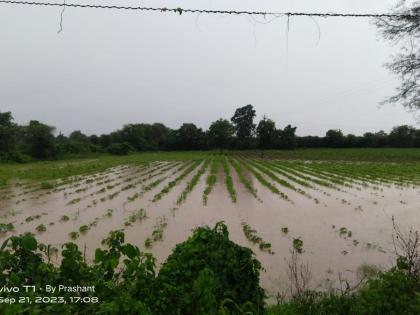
316	218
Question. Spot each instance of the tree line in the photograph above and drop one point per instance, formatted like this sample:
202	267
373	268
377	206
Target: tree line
37	140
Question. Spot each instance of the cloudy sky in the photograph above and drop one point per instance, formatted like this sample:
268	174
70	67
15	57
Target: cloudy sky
108	68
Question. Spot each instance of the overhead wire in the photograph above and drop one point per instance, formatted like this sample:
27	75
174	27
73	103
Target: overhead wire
180	11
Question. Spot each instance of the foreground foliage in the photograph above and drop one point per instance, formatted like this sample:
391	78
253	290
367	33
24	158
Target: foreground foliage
207	274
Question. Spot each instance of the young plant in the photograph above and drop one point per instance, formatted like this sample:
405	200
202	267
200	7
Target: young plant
192	183
74	235
211	180
239	171
84	229
41	228
229	181
138	215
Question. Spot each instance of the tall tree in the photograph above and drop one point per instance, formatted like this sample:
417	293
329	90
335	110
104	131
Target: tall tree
39	140
243	121
404	30
334	138
402	136
266	134
189	137
288	137
8	133
220	134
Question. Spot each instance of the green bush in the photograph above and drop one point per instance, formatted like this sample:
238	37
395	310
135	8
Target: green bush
119	148
206	270
221	277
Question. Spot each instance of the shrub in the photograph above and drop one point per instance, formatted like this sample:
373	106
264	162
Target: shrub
207	270
119	148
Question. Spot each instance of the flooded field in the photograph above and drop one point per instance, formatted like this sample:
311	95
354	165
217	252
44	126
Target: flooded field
338	214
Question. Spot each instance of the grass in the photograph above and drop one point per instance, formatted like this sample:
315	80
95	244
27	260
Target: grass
66	169
228	180
351	154
63	169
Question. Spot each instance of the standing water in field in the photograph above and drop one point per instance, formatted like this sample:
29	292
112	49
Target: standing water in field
337	216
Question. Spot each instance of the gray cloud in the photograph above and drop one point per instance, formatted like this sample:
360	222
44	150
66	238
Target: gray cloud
108	68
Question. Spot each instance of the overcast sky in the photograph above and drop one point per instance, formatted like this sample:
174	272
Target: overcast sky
108	68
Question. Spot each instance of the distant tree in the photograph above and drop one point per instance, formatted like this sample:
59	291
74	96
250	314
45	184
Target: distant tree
94	139
334	138
122	148
8	135
417	138
352	141
243	121
402	136
288	137
39	140
104	140
374	140
310	142
220	134
159	135
133	134
190	137
266	134
404	29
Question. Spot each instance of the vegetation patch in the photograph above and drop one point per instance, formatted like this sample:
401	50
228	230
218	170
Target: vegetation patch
242	178
175	182
41	228
211	180
192	183
74	235
229	180
6	227
298	245
73	201
138	215
253	237
84	229
265	182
